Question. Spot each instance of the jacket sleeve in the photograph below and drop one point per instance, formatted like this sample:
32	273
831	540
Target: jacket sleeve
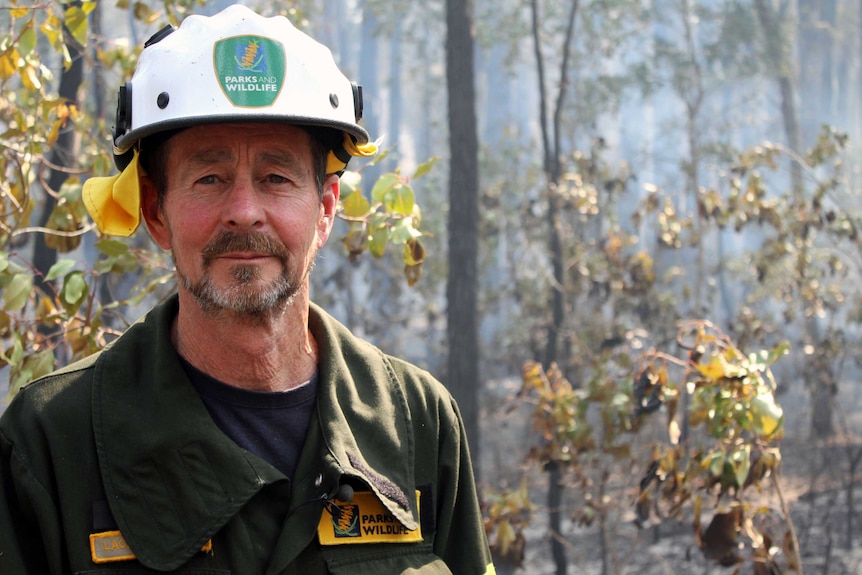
460	540
29	525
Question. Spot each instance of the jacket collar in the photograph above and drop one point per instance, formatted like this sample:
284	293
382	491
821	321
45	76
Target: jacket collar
364	416
173	479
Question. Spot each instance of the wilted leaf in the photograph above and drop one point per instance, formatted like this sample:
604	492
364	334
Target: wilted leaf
718	542
142	12
414	252
413	274
355	242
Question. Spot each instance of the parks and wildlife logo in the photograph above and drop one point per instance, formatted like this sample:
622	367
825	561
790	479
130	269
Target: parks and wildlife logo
365	520
250	69
345	520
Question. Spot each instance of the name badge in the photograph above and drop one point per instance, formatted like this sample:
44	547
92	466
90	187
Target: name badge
363	520
111	546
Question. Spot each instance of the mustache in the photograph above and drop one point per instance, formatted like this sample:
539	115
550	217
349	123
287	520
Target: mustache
228	242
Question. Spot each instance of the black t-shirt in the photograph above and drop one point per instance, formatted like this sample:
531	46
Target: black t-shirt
271	425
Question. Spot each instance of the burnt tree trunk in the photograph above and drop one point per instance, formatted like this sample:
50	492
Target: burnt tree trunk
462	375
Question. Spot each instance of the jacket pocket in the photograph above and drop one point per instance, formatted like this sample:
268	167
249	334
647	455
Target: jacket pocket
384	560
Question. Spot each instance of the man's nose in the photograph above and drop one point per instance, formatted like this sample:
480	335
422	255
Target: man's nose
243	208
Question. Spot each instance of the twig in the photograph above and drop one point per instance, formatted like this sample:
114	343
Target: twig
786	512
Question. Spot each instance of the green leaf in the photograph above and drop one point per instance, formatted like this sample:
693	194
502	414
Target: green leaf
741	461
17	351
125	263
404	231
112	247
27	42
76	22
59	269
383	186
377	242
16	293
41	363
356	206
75	289
425	168
716	464
400	200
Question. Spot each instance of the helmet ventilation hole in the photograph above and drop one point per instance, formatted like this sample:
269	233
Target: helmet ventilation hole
333	99
162	100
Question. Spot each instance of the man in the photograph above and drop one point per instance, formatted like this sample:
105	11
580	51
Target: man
237	428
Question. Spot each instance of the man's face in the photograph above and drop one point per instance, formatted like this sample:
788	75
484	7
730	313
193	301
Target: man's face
242	214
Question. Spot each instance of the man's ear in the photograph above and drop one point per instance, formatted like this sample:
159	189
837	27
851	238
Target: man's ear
152	212
328	207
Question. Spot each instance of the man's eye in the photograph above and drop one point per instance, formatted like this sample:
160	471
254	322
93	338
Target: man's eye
210	179
276	179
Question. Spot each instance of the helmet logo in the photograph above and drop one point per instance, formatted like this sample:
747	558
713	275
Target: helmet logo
250	70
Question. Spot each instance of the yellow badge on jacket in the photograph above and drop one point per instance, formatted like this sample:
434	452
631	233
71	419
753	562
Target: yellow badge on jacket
363	520
111	546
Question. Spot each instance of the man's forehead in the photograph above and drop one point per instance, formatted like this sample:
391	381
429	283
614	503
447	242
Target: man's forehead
221	142
277	130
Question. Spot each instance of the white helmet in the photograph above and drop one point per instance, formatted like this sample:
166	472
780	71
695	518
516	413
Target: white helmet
238	66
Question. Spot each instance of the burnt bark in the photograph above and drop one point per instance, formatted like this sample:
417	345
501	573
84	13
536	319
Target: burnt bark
462	375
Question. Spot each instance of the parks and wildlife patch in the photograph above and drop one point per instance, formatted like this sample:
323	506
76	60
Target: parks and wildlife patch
363	520
250	69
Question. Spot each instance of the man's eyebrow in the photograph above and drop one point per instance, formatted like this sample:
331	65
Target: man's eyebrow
284	159
210	156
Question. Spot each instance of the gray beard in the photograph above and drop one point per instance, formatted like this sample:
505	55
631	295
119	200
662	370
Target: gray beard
241	298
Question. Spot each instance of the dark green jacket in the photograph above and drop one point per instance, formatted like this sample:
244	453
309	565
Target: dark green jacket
116	456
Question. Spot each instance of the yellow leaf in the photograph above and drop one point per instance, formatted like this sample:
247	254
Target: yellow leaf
714	368
356	206
766	415
55	132
505	536
31	78
8	64
76	22
51	30
532	375
20	12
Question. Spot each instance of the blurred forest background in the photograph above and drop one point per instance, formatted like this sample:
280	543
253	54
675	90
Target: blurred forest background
634	254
